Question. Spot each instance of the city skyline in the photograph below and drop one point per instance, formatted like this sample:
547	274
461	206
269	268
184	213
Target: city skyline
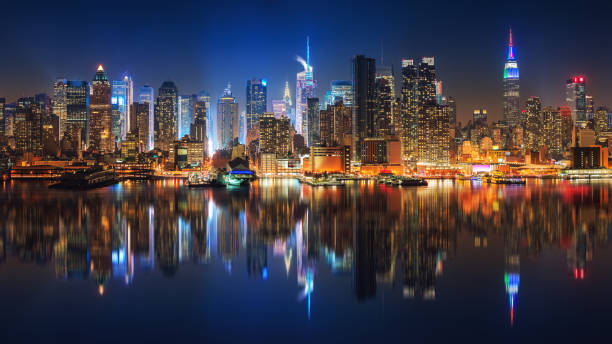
545	60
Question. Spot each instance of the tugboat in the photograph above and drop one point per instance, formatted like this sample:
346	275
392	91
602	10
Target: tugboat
91	178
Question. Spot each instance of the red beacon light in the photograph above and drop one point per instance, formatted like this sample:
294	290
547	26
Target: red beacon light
581	79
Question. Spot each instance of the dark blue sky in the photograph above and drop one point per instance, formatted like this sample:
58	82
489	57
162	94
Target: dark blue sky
202	45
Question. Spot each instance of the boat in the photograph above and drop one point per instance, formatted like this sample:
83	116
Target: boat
413	182
323	182
506	180
239	177
196	180
91	178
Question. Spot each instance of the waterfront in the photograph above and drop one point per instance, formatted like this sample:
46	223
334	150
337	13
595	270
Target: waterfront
153	261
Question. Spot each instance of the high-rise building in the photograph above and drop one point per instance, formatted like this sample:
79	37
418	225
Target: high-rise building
590	107
185	115
512	111
552	132
119	108
256	101
339	90
479	116
289	104
408	111
600	120
364	101
166	116
77	113
198	129
283	137
279	108
386	114
452	107
267	133
140	118
533	124
59	104
305	88
100	112
432	119
567	125
575	99
122	98
28	126
2	120
312	109
335	125
145	95
228	127
204	96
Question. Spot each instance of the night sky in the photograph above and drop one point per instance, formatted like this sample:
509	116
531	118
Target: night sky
202	46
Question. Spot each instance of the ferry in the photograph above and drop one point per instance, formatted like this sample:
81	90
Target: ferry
91	178
506	180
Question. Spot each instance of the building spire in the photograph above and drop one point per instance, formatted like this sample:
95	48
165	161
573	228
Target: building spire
307	54
510	46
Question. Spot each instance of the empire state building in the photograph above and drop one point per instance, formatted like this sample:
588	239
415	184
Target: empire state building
512	111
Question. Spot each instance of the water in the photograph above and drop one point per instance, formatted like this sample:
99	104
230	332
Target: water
156	261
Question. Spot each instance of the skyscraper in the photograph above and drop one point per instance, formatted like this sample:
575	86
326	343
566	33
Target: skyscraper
2	125
227	120
28	126
100	112
267	133
166	116
289	104
533	124
305	88
59	104
279	108
185	115
312	108
122	98
145	95
364	101
77	114
340	90
432	120
140	125
512	111
198	129
552	128
575	99
408	111
256	101
386	114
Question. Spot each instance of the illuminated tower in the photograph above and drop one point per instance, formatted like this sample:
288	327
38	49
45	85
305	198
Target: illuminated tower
289	104
166	116
59	104
256	101
227	120
122	98
385	117
512	112
575	98
146	96
305	88
100	112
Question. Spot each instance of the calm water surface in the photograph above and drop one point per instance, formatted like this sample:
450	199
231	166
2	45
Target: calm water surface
280	261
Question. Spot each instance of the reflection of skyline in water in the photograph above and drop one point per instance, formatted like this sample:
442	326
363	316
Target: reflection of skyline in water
377	236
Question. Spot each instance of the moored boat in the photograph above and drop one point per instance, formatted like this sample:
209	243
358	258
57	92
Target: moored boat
91	178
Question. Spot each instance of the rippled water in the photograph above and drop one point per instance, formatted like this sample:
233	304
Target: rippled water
280	261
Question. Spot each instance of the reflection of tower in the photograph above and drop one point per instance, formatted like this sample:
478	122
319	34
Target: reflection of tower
305	268
579	252
228	238
257	256
512	275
